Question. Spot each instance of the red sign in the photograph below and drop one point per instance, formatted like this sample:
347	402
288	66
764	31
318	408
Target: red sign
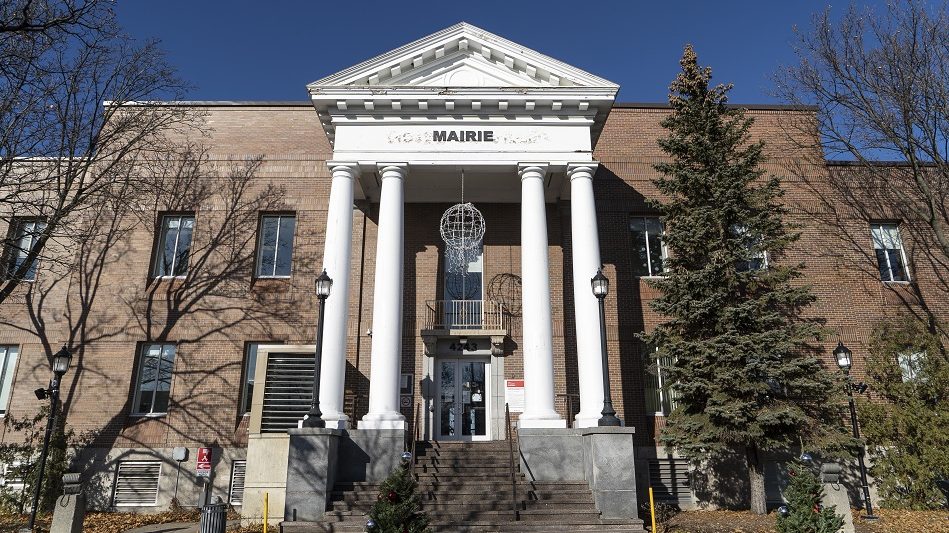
203	467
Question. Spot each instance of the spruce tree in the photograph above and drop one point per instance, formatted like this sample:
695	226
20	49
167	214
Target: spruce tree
398	508
745	375
804	512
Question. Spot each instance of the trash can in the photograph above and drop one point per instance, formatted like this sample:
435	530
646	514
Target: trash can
213	518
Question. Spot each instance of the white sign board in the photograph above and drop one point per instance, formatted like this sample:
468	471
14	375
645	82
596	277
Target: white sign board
514	394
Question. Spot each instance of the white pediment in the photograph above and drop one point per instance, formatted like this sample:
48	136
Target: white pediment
462	56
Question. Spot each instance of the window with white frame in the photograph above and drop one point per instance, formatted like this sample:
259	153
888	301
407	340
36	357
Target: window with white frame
649	251
14	475
8	355
23	236
153	383
275	253
888	246
136	483
174	245
238	473
755	258
911	365
660	396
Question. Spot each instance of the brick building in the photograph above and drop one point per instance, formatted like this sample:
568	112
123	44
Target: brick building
194	326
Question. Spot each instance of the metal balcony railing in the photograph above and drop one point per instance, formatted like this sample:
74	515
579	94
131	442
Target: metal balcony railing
465	314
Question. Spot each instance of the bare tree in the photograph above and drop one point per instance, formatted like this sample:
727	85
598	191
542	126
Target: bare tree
75	113
880	82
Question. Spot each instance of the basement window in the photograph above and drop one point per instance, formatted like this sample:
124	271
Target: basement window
238	474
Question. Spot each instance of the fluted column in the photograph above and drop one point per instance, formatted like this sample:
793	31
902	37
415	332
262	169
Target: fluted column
586	260
386	362
337	253
537	334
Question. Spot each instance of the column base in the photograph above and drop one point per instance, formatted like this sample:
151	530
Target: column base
311	472
610	465
383	421
584	420
336	420
557	423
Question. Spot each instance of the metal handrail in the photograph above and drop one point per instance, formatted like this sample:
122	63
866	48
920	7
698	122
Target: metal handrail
510	447
415	440
465	314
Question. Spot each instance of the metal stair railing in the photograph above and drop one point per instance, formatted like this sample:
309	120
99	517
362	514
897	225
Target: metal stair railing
510	447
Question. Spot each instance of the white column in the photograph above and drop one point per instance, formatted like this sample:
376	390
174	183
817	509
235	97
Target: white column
586	260
386	362
337	252
537	335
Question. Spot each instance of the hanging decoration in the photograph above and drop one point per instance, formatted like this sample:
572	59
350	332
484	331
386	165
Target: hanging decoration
462	228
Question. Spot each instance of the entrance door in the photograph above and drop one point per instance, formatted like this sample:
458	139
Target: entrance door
462	407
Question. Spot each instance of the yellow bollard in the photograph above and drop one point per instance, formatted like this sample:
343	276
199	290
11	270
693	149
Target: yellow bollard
267	504
652	511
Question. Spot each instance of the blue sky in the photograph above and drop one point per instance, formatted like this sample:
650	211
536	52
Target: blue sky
270	49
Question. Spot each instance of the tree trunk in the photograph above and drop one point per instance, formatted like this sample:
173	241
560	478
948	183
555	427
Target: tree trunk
759	500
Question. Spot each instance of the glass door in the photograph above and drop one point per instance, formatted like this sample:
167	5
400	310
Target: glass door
462	412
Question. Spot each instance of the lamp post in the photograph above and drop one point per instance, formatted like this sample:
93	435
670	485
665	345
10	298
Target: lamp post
601	286
60	365
843	356
314	418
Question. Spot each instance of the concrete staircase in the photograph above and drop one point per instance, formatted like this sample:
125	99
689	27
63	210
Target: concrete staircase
466	488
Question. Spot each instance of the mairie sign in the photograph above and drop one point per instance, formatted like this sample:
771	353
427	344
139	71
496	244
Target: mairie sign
463	136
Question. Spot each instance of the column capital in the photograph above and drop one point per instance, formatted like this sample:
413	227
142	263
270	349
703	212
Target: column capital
350	168
392	170
582	170
532	170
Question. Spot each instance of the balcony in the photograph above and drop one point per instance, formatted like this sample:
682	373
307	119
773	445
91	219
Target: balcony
464	318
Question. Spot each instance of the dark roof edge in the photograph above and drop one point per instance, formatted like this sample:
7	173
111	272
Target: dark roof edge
227	103
880	163
754	107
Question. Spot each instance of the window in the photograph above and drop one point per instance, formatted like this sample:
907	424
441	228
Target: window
14	475
174	245
276	245
660	397
650	253
136	483
911	365
250	367
891	259
756	259
238	471
23	236
464	288
7	366
154	379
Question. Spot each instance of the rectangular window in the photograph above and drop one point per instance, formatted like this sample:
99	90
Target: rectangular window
23	236
891	259
911	364
660	397
154	379
136	483
238	471
756	259
14	475
250	367
174	245
649	251
7	366
276	246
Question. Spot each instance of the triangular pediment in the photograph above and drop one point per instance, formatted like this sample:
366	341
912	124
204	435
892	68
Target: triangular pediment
462	56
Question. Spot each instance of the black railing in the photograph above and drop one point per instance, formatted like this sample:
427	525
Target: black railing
415	421
510	447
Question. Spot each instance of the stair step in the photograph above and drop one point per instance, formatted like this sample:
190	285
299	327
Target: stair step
584	496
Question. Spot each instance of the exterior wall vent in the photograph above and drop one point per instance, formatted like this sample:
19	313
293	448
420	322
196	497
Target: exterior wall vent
287	391
670	480
136	483
238	472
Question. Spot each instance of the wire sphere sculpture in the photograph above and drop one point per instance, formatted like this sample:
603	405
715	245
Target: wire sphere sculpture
462	227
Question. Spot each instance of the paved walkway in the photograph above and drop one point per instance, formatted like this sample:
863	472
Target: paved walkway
177	527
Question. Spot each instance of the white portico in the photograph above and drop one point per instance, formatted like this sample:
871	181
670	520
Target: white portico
405	126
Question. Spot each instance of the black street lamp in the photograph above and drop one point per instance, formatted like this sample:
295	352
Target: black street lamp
844	361
314	418
601	286
60	365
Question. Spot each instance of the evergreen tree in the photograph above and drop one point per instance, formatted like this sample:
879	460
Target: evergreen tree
804	512
398	508
746	378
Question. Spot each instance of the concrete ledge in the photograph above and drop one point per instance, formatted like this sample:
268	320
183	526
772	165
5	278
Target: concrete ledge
551	454
311	472
369	454
610	469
